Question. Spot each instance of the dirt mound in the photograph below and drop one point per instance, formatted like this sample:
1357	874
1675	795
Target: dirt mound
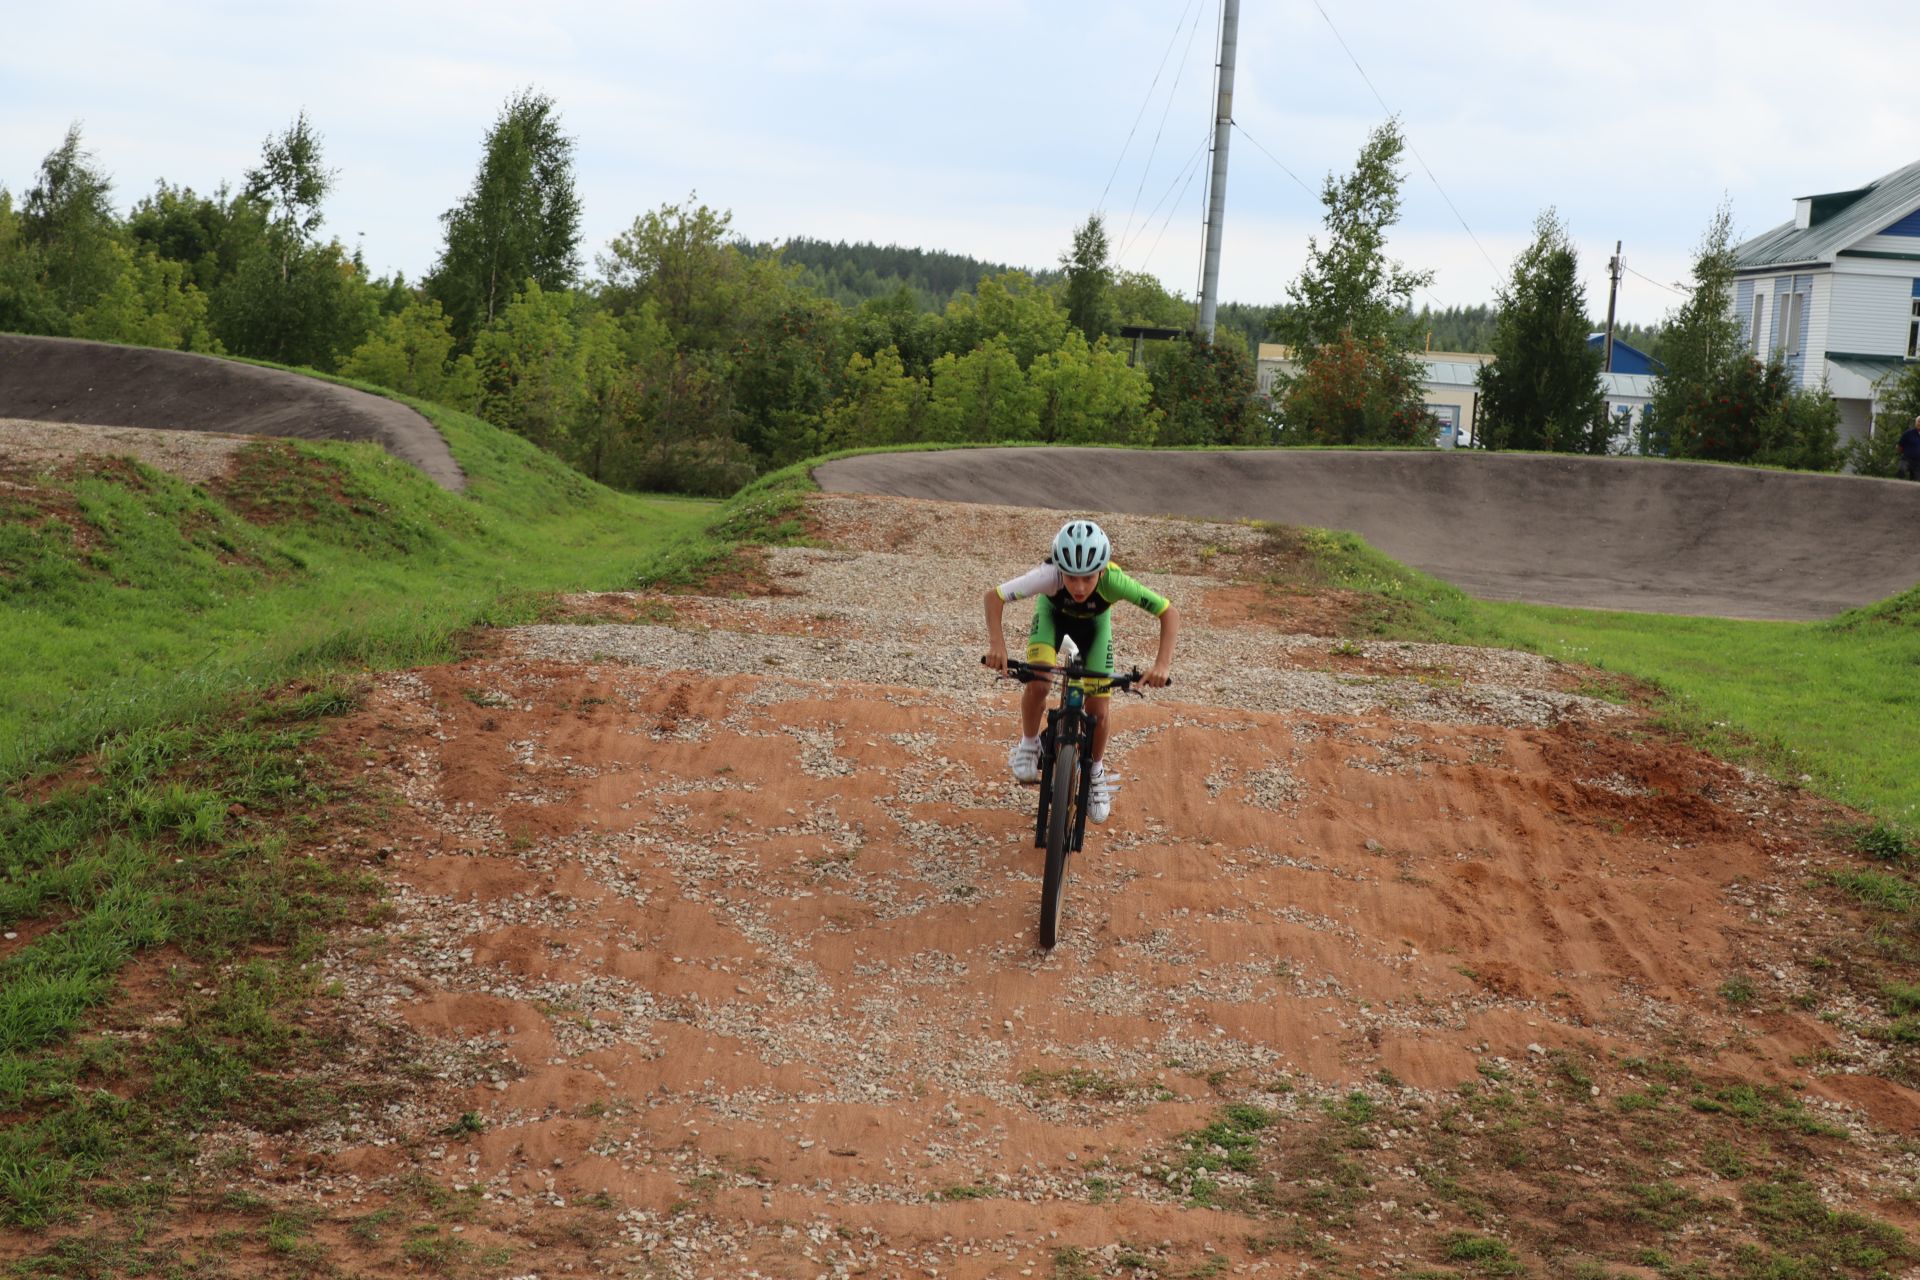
712	947
100	384
1596	533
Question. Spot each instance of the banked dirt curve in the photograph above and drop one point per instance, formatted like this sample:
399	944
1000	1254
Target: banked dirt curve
715	919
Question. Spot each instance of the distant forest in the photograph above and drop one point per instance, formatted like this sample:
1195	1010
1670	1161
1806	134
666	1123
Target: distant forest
851	274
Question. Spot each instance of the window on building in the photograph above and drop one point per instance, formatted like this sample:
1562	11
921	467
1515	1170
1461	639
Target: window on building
1759	314
1792	315
1913	333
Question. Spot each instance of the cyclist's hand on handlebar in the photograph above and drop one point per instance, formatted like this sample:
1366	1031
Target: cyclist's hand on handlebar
996	658
1157	678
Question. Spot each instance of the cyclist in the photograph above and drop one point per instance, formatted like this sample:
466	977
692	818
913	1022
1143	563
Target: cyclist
1073	590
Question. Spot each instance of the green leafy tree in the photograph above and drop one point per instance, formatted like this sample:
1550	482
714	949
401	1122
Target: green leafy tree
1013	308
1706	361
1088	394
982	395
784	369
68	228
1348	285
881	403
1356	391
291	183
895	320
413	353
1089	277
1801	430
209	235
528	368
1204	392
1140	298
25	304
1543	389
150	303
313	316
520	221
677	257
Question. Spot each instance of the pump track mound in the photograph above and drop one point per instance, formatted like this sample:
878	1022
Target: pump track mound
710	950
64	380
1646	535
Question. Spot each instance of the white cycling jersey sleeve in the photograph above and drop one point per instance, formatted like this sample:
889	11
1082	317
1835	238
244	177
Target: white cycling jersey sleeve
1041	580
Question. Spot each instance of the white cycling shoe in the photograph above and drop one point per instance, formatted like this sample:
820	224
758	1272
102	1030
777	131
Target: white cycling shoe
1024	760
1100	793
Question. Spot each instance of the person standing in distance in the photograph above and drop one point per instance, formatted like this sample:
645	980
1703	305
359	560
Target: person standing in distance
1910	451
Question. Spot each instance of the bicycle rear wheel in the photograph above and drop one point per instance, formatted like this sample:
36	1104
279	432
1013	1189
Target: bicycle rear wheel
1061	806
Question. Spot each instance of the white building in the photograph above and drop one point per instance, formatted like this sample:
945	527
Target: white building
1835	291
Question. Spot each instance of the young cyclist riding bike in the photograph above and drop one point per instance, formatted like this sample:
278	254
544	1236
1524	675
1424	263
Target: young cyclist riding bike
1073	591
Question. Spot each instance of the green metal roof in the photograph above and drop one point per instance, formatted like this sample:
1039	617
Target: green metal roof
1838	219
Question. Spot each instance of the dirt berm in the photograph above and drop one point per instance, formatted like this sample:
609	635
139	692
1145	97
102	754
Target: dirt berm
101	384
1595	533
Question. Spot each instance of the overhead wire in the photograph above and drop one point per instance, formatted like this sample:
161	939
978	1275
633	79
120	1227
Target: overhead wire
1192	170
1145	102
1410	147
1185	57
1681	290
1186	172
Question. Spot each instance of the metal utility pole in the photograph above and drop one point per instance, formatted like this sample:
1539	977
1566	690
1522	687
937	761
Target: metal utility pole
1217	188
1613	293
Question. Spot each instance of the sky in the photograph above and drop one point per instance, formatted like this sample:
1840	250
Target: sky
995	127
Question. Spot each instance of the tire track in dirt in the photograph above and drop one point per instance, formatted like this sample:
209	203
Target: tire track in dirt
723	932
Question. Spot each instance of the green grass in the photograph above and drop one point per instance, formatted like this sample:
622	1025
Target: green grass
131	599
1834	703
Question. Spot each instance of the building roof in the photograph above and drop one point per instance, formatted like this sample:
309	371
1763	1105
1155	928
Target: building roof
1836	219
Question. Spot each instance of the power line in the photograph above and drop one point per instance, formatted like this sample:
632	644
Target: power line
1682	291
1192	171
1276	159
1185	57
1185	171
1416	151
1144	104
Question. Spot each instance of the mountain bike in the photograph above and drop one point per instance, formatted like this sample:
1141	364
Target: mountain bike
1066	781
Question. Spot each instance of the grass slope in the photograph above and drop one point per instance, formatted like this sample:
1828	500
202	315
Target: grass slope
129	598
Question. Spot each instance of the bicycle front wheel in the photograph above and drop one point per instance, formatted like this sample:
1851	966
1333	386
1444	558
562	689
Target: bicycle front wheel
1060	813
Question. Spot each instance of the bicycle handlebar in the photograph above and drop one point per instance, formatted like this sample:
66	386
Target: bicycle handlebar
1028	671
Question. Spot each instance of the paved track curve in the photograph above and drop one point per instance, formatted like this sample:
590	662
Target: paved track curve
101	384
1596	533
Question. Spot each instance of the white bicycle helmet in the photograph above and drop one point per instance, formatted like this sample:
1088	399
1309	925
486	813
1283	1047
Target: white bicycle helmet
1081	547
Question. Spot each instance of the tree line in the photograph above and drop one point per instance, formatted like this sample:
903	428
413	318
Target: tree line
682	359
687	359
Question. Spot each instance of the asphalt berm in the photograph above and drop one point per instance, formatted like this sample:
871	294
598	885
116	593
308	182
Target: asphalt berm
101	384
1644	535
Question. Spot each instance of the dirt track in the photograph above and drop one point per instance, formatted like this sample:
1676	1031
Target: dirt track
1595	533
64	380
716	917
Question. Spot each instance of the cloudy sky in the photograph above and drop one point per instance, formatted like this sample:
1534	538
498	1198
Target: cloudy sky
993	127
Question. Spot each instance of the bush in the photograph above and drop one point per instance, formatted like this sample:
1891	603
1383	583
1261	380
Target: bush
1356	391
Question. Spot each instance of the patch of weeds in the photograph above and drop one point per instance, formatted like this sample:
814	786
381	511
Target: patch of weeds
964	1191
469	1122
1766	1108
1878	841
1070	1263
434	1250
1879	889
1228	1145
1739	991
1081	1085
1482	1255
1818	1241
